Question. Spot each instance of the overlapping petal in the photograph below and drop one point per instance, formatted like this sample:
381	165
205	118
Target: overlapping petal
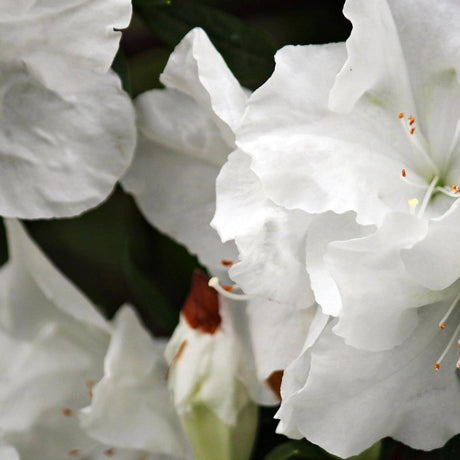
435	260
131	406
59	39
310	158
54	343
405	70
178	156
352	398
66	127
61	153
277	333
269	238
197	69
324	229
364	268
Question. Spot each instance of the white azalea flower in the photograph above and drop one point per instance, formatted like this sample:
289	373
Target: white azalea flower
54	348
370	130
66	127
186	132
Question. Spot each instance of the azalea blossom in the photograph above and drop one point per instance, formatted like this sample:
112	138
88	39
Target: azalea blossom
66	127
362	139
56	349
186	132
208	379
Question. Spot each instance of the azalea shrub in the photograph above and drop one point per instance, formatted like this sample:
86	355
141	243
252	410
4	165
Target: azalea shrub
230	229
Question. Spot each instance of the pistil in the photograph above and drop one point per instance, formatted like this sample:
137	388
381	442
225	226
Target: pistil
427	196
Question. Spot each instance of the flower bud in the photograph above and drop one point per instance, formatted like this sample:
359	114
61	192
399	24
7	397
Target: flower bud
206	379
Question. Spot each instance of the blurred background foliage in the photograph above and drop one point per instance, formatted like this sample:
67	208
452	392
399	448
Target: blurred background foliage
111	252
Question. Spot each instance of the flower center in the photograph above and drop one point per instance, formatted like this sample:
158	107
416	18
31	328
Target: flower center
455	338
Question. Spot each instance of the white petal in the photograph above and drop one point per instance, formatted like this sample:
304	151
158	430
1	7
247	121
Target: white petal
375	59
394	393
268	237
237	325
278	332
34	289
131	406
177	195
61	153
404	70
272	262
378	294
295	376
312	159
53	340
325	229
241	204
62	38
204	369
434	261
197	69
8	453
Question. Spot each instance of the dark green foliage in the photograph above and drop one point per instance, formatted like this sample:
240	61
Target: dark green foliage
247	51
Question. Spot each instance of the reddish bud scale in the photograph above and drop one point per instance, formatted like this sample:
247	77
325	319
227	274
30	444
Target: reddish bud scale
226	263
201	307
274	382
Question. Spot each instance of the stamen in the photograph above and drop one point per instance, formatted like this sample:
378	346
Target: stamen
67	411
442	323
401	115
228	287
449	345
227	263
403	172
413	202
427	196
214	283
418	141
447	192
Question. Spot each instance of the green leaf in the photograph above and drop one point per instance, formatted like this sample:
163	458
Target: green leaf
395	449
308	451
297	450
151	303
247	51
